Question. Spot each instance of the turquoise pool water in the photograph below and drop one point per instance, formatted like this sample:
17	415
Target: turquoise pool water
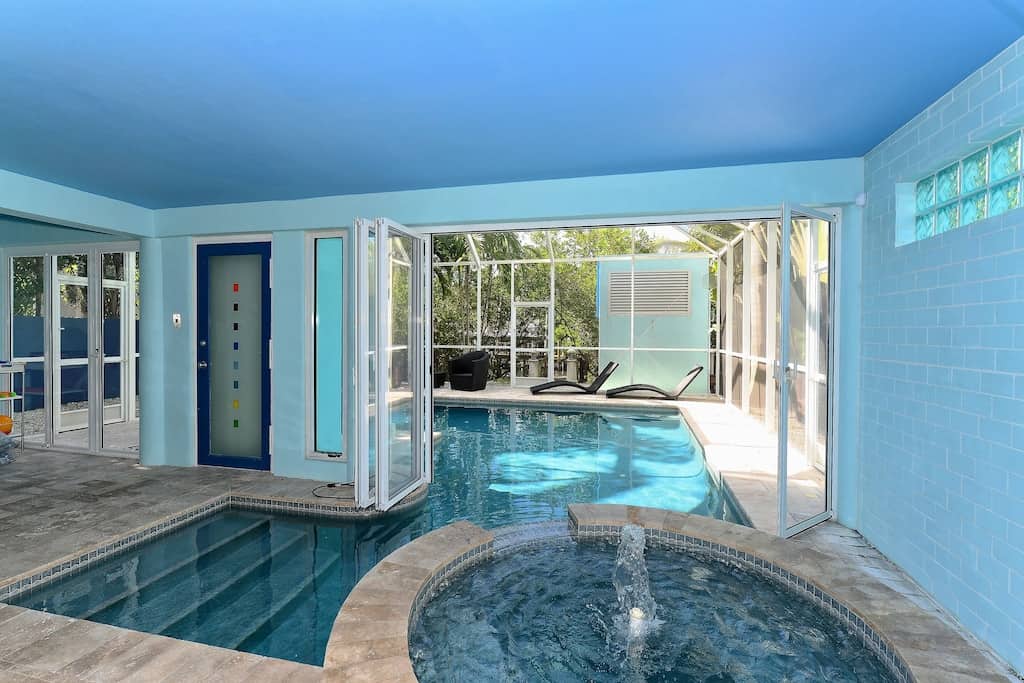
272	584
499	466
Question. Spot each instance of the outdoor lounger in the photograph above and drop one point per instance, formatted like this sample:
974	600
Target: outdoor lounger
671	396
566	384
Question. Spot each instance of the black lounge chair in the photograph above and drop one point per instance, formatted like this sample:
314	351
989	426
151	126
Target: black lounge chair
469	371
671	396
588	389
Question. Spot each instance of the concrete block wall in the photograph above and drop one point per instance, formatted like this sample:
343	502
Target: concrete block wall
941	484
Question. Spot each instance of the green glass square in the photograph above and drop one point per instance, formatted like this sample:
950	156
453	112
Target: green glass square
926	193
947	219
1006	157
924	226
235	425
948	186
973	208
976	171
1004	197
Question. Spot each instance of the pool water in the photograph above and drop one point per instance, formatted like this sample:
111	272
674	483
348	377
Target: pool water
500	466
548	613
267	584
273	584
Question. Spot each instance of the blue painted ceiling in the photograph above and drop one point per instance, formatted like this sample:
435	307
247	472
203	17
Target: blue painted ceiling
184	102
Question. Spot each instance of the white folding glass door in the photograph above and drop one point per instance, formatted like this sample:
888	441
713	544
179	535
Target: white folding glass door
85	392
804	329
393	370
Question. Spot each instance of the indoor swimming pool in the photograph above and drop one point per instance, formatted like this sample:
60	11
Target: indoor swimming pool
272	584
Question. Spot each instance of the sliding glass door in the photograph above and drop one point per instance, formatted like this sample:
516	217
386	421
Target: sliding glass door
392	286
804	408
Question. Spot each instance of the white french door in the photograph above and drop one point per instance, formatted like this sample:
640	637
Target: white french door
393	370
804	330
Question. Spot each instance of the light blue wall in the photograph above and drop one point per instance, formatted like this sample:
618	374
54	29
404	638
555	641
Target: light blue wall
31	198
17	232
330	316
942	373
663	369
733	188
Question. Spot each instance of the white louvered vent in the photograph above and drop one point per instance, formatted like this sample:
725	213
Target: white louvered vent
657	293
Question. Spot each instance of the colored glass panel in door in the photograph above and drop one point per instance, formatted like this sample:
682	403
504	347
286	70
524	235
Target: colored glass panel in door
234	339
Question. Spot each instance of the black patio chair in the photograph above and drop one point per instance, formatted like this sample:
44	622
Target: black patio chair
661	393
469	371
591	388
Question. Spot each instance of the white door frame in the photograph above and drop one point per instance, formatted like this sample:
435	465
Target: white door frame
95	362
785	369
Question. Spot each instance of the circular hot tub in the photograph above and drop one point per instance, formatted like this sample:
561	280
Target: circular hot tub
623	609
636	594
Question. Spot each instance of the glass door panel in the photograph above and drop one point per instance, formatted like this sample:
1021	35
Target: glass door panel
28	343
120	429
365	461
72	381
392	374
803	404
400	373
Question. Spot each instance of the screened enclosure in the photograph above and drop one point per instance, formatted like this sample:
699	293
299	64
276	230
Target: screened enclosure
747	299
563	303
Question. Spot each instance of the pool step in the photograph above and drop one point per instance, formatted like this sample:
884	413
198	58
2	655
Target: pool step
283	539
210	572
298	592
171	569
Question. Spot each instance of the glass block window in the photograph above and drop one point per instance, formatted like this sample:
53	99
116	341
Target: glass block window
985	183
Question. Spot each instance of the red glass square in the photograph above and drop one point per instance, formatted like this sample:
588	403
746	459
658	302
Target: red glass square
235	287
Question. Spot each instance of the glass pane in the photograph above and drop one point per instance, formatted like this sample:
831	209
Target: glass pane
1004	197
113	266
329	345
74	323
1006	157
28	322
73	406
403	443
948	183
736	325
592	243
976	171
76	265
531	367
371	380
117	432
236	355
666	369
924	226
576	301
32	391
973	208
926	193
807	336
948	218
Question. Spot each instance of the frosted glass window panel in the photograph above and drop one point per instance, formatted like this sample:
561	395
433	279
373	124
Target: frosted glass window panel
926	194
948	218
975	171
1004	197
236	420
948	184
329	345
973	208
1006	157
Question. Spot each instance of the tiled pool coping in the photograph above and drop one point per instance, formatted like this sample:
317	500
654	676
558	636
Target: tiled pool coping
80	561
370	640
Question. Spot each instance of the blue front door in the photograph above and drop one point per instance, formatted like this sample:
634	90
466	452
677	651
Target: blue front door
233	354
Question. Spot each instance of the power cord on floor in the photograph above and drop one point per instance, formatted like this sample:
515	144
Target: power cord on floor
332	485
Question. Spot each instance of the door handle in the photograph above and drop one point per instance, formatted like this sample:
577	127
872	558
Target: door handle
203	365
